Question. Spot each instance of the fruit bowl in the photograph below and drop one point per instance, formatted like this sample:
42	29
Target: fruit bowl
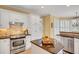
47	41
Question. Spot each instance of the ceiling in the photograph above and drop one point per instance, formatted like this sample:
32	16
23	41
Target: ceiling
55	10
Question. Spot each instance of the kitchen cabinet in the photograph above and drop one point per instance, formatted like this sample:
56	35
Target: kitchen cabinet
7	16
0	19
19	17
27	42
5	46
4	18
68	44
76	46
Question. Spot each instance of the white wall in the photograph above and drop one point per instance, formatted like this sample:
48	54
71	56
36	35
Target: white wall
36	28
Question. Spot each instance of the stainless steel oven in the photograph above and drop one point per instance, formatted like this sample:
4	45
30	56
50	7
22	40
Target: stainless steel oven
17	44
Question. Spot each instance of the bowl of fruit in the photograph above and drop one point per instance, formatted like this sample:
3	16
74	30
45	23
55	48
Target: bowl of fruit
47	40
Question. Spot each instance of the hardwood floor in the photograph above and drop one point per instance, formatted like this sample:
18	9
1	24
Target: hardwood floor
29	51
26	52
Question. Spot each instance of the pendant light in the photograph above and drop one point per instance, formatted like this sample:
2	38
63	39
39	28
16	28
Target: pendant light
76	23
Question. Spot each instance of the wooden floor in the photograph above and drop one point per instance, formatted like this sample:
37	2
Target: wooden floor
26	52
29	51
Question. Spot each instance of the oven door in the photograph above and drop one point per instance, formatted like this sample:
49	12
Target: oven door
17	43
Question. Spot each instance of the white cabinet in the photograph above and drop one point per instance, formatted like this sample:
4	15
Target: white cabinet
4	18
68	44
76	46
18	17
7	16
4	46
27	42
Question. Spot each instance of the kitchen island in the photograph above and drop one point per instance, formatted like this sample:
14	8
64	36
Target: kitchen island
39	48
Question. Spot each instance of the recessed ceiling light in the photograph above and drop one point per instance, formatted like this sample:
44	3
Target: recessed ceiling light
42	6
68	5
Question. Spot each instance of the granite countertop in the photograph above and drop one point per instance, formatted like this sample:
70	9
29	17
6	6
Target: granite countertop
54	49
5	37
13	32
69	34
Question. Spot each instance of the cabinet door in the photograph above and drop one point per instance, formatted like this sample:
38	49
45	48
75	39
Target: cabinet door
4	46
19	17
0	19
7	16
68	44
27	42
76	46
65	43
4	18
71	45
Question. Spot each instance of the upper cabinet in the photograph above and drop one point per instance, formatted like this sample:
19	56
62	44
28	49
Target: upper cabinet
7	16
4	18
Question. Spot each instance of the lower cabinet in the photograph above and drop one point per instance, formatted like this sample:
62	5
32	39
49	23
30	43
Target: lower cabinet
4	46
68	44
76	46
27	42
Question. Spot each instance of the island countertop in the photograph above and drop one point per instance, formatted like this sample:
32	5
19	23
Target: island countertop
51	49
